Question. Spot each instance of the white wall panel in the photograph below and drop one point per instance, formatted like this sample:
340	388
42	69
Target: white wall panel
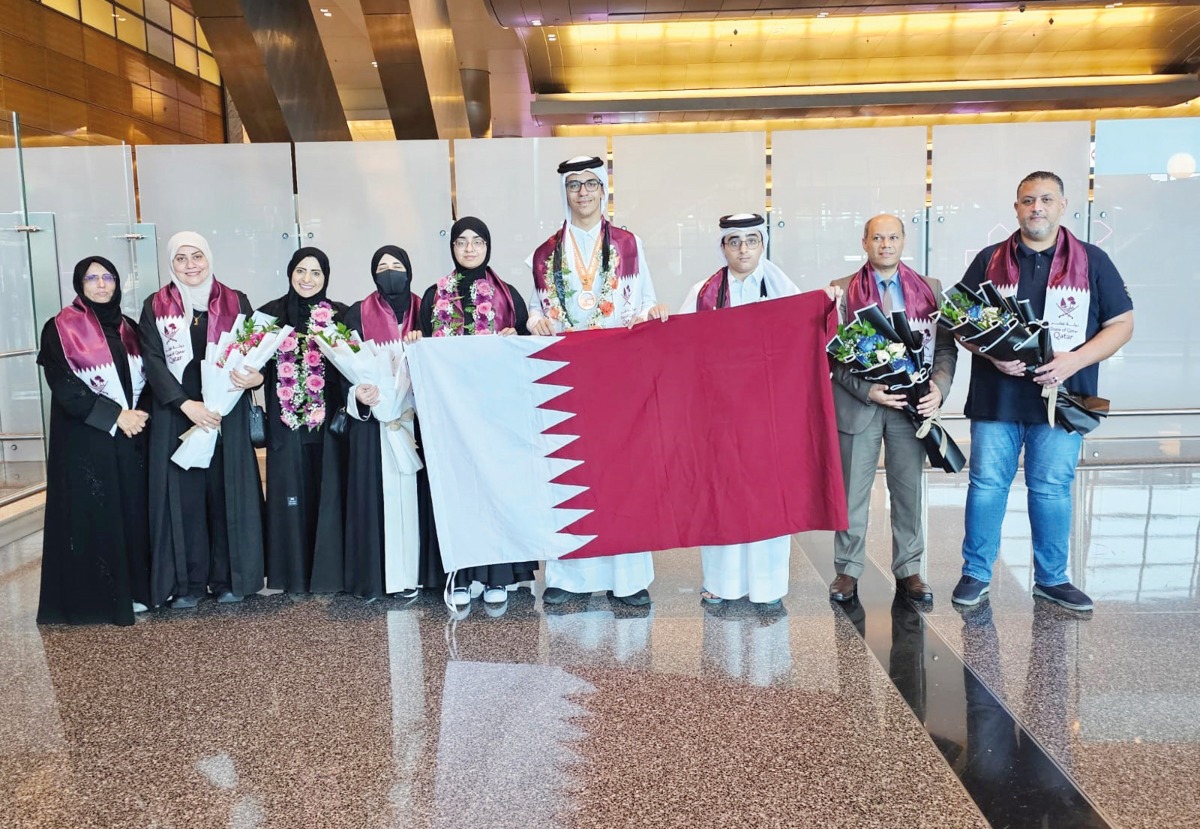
238	196
672	189
356	197
825	184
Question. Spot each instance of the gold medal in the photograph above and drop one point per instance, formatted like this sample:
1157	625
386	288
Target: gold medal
586	300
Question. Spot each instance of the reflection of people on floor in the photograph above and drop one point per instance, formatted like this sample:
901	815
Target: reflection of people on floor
747	644
599	638
1014	782
906	661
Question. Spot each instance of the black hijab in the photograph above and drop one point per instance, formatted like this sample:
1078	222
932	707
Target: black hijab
469	275
394	286
109	313
297	308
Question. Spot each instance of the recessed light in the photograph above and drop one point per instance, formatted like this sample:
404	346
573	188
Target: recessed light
822	14
329	14
552	37
535	22
375	63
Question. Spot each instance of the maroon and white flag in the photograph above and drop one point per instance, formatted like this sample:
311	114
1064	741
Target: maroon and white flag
706	429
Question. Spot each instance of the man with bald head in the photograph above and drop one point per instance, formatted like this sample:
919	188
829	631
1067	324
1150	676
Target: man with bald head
868	417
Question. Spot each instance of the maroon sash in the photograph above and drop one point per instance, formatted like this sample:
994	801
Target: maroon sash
710	291
379	320
863	290
223	307
83	339
624	242
1068	269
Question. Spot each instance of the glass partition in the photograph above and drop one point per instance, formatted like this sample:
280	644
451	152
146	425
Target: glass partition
355	197
976	169
22	448
825	184
90	192
239	196
1147	200
672	189
514	186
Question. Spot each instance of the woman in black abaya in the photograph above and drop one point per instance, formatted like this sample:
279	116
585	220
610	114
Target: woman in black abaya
95	549
472	300
302	392
360	566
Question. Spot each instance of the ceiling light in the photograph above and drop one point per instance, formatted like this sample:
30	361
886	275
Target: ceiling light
822	14
551	37
375	63
535	22
328	14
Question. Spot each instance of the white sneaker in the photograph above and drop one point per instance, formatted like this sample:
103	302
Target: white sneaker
495	595
138	607
460	597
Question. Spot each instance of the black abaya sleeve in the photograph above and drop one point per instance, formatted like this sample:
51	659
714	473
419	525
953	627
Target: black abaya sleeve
166	388
427	310
70	393
520	310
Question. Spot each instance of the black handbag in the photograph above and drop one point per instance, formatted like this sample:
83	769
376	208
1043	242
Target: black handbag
339	423
258	426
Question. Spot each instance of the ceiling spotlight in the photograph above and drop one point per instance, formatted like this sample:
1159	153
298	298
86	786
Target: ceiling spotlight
822	14
328	14
551	37
535	22
375	63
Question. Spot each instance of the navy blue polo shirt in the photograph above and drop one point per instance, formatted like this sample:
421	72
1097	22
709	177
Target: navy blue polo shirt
997	396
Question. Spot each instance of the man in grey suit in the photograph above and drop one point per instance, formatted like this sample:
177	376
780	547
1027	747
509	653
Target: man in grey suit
868	416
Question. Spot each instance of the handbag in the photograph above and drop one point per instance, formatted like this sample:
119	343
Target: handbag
258	426
339	423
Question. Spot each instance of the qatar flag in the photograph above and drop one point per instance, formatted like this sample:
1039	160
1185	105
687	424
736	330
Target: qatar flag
710	428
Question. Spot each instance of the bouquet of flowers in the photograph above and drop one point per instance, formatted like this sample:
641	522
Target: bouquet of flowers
889	352
1006	329
364	362
249	344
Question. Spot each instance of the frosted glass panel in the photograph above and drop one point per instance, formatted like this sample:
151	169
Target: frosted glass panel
239	196
356	197
514	186
976	169
825	184
21	403
671	189
90	192
1147	199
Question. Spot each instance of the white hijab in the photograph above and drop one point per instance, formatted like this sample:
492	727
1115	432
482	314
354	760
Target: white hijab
193	296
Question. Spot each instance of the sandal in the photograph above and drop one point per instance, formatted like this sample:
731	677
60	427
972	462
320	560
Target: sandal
710	598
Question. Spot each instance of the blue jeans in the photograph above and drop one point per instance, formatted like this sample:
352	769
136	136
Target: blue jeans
1051	455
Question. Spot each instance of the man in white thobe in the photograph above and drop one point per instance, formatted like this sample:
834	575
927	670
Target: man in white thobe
591	274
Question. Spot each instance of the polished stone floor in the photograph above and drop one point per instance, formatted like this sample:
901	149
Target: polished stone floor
328	712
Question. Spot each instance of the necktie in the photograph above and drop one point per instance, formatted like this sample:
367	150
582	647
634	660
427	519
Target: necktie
885	299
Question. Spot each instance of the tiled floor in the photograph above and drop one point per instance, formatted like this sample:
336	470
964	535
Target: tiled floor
320	711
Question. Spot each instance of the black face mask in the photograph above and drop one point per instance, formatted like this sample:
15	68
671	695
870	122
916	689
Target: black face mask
393	283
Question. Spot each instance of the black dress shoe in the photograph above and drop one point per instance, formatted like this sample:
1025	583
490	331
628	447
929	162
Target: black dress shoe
638	599
843	588
914	588
556	595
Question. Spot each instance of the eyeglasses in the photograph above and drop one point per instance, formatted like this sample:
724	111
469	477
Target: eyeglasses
575	185
95	278
749	243
474	243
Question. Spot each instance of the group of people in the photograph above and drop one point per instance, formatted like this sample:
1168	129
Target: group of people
127	529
